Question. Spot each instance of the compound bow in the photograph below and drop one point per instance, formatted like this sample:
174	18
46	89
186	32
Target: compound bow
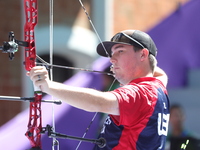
35	117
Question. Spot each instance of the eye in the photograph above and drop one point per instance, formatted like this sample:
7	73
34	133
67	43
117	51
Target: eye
120	51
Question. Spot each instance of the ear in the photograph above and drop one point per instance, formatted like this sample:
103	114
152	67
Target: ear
144	53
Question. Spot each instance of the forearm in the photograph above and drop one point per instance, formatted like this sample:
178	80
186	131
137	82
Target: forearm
84	98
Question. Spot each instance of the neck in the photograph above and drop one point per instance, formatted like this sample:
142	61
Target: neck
136	77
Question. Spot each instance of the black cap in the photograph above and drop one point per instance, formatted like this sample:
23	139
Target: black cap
129	37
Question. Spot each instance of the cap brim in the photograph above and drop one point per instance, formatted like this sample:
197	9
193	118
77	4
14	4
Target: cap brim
104	48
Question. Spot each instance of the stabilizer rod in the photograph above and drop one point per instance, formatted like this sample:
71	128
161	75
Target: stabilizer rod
101	142
29	99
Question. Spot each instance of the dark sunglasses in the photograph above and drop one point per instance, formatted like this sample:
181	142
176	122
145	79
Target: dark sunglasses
124	38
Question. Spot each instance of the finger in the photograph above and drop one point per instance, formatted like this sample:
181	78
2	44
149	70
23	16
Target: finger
28	73
38	71
37	68
39	77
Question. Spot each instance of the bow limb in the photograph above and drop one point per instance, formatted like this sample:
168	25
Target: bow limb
34	125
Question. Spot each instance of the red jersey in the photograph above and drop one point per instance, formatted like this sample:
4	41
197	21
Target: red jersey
143	120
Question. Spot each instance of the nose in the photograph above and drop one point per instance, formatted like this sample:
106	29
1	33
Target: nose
113	58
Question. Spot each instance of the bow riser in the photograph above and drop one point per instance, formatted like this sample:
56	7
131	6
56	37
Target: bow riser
34	124
31	14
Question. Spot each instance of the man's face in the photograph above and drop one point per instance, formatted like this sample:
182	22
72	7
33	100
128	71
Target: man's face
125	62
176	118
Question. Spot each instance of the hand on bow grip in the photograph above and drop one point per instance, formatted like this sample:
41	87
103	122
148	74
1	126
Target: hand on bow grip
40	77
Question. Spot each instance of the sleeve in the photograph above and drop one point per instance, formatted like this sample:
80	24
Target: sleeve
135	104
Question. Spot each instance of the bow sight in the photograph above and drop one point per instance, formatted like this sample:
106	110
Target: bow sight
11	46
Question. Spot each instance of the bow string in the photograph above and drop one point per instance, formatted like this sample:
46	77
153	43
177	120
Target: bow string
97	34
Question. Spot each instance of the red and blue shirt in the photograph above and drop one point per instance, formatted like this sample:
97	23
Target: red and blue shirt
143	120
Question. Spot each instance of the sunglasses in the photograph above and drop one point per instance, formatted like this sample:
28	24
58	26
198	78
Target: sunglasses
124	38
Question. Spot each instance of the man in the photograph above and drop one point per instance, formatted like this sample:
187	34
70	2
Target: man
179	134
139	109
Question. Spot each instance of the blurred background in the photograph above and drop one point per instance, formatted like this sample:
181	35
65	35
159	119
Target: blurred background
173	25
